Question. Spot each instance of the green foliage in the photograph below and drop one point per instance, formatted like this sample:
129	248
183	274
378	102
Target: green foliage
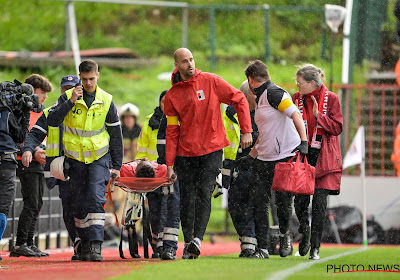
149	31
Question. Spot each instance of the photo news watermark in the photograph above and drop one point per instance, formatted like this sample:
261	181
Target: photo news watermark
342	268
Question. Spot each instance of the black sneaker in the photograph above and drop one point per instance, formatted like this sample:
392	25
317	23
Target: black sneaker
246	253
37	251
314	254
304	244
169	253
22	250
185	254
260	254
193	249
285	245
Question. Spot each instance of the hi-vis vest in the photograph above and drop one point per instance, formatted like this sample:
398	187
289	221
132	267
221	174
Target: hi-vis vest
53	138
233	135
85	136
147	143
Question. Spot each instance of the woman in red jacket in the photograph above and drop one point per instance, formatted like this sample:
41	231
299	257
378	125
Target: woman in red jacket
323	119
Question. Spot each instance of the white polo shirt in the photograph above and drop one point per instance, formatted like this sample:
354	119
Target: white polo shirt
278	136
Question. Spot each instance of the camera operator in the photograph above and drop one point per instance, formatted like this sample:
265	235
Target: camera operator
32	180
13	130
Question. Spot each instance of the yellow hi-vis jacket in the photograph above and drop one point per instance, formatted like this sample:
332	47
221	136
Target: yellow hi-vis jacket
85	137
147	143
53	138
233	135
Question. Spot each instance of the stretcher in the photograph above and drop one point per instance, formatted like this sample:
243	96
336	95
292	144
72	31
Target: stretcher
138	187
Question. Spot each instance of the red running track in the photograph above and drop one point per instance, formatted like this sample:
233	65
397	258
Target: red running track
59	266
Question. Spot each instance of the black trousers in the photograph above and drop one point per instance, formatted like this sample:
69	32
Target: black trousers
196	184
260	194
32	185
239	202
318	212
7	189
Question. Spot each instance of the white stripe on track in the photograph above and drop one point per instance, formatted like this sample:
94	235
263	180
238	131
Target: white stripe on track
281	275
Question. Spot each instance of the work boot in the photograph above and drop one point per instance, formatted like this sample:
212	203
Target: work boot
95	251
194	248
85	251
169	253
22	250
304	244
246	253
37	251
285	245
314	254
260	254
77	250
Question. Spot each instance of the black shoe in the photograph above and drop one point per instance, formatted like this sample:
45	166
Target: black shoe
160	250
185	254
304	244
285	245
193	249
22	250
314	254
155	256
246	253
77	250
169	253
260	254
95	251
85	251
37	251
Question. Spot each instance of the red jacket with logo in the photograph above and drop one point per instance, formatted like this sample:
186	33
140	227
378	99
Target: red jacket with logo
196	103
328	171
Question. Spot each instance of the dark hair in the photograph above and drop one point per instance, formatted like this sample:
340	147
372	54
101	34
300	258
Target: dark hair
88	66
163	93
38	81
145	171
257	70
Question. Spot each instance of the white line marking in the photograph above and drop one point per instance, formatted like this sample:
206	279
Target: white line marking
281	275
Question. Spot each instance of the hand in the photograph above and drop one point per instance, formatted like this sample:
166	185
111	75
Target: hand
171	174
40	156
247	140
26	158
76	94
315	106
302	148
245	162
117	174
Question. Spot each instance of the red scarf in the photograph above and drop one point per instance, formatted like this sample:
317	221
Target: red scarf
318	131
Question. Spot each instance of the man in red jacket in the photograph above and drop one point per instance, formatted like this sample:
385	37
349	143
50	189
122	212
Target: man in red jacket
195	139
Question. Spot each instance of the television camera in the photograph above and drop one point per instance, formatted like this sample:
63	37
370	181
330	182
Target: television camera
17	97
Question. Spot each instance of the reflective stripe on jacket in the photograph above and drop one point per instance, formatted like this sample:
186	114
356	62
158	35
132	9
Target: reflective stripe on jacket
85	136
233	136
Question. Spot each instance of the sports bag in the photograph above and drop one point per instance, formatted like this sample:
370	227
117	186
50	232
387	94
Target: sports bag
294	177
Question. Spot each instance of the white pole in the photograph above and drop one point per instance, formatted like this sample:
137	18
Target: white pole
74	35
346	42
364	204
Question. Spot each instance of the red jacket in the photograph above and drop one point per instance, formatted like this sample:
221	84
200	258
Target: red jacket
329	169
196	104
